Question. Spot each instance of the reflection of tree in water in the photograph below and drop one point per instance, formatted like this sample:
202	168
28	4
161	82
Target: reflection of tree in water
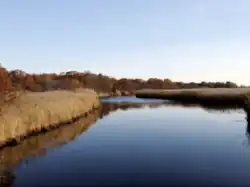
211	108
108	108
247	142
38	145
7	178
222	109
34	146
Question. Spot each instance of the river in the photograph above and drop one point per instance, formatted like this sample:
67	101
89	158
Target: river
137	142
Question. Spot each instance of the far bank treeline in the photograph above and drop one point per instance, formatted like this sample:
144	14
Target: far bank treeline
20	80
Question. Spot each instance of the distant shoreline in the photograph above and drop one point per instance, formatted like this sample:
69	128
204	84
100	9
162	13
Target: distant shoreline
208	96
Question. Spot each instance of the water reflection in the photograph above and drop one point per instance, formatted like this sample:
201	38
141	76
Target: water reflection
247	142
32	147
221	109
40	144
209	108
7	178
108	108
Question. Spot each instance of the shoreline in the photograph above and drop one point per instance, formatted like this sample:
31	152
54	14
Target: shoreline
205	96
16	140
35	113
115	94
40	143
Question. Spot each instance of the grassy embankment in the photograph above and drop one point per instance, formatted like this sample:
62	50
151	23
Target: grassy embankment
209	96
34	146
31	113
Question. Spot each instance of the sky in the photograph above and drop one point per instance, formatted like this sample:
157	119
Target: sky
183	40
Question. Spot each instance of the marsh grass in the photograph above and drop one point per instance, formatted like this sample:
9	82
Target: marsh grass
212	96
33	112
37	145
104	95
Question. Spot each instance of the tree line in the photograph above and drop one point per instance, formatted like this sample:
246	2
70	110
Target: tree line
20	80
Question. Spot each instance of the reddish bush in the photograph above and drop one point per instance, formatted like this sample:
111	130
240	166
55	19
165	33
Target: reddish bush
5	81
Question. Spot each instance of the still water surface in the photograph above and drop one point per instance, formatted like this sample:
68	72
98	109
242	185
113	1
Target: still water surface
138	142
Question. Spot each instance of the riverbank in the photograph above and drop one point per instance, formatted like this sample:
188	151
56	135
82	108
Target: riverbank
208	96
38	112
117	93
39	144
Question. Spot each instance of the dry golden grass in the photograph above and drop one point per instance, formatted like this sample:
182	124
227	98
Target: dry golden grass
36	145
103	95
34	111
208	95
202	91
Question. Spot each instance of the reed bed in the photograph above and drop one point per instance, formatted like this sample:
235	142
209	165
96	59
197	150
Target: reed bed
37	145
104	95
33	112
212	96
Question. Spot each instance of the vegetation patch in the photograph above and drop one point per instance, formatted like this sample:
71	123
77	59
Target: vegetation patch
34	112
37	145
213	96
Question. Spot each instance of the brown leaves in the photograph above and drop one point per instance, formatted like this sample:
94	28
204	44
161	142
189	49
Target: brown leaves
99	82
5	81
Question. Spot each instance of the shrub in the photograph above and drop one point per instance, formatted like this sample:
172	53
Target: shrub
5	81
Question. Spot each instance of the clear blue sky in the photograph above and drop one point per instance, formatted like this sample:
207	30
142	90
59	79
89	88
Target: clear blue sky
188	40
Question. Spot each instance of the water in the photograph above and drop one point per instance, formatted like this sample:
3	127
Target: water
144	143
129	99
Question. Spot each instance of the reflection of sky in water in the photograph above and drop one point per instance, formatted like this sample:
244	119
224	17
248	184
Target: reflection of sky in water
175	121
129	99
164	145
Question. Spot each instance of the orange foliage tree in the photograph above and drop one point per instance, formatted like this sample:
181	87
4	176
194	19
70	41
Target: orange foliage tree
5	81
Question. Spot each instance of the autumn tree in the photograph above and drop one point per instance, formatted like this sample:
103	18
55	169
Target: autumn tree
5	81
